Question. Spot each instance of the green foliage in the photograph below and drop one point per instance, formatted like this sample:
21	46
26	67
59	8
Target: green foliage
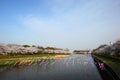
40	47
76	51
26	45
113	62
6	60
51	48
33	46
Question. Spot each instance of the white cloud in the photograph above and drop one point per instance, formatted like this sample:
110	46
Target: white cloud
91	14
73	25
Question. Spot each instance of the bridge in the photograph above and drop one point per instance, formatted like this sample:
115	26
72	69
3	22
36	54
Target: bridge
81	51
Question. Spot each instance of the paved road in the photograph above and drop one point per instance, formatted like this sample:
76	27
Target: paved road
74	67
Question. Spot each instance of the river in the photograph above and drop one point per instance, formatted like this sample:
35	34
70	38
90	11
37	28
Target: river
74	67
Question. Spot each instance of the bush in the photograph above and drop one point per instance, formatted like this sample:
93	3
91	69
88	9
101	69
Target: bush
26	45
33	46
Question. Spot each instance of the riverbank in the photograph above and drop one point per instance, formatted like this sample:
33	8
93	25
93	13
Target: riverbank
17	60
113	62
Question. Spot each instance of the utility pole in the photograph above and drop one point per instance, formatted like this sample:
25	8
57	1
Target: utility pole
110	46
110	43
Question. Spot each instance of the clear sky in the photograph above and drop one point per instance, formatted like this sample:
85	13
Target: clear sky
73	24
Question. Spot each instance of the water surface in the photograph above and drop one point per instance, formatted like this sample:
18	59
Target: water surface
74	67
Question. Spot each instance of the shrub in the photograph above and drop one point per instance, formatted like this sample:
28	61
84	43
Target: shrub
26	45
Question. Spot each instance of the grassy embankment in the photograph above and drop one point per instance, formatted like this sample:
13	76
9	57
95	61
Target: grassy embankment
113	62
7	60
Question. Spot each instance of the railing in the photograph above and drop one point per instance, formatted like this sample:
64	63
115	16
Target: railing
97	61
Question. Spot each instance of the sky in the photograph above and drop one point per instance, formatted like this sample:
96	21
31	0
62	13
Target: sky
73	24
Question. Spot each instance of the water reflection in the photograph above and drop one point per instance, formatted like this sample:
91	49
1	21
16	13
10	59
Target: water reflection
75	67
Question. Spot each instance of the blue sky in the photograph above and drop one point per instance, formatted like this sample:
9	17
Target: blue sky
73	24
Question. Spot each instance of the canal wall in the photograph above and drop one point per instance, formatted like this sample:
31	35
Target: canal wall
112	75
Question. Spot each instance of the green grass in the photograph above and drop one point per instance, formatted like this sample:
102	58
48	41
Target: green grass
7	60
113	62
24	55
